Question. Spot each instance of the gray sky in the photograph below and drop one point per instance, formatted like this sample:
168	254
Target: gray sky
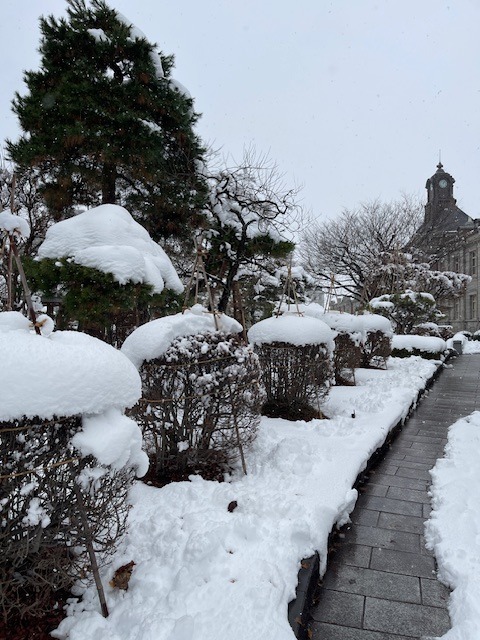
352	98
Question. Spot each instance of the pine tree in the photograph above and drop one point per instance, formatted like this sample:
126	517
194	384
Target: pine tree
104	122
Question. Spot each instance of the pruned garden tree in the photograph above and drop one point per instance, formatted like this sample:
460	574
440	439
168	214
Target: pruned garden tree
103	121
407	309
250	214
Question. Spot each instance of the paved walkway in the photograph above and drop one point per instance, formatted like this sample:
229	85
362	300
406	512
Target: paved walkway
380	584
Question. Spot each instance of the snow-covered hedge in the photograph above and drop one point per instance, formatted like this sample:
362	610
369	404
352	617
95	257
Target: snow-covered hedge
377	339
296	360
201	393
363	340
349	337
65	449
414	345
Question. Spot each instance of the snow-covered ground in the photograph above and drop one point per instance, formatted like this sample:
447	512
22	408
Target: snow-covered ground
203	572
453	531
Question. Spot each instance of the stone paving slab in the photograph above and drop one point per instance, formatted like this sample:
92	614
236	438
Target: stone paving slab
381	581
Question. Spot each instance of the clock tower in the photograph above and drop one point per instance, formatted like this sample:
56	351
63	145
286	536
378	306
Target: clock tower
439	193
441	211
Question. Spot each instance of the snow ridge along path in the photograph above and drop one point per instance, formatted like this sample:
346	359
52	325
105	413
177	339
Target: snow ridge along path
381	583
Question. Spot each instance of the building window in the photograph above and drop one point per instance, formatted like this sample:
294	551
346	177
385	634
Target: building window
456	309
473	263
456	264
472	307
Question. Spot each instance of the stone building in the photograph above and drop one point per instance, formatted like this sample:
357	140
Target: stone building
451	239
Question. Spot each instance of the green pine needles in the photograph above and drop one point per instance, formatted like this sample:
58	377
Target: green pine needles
103	122
93	302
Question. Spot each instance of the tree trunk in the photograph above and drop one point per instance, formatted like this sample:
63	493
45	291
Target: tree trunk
227	288
109	180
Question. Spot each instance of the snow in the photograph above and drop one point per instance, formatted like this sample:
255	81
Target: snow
12	223
99	35
13	321
152	339
313	309
374	322
113	439
65	374
345	322
429	344
204	573
458	337
291	328
453	531
107	238
471	346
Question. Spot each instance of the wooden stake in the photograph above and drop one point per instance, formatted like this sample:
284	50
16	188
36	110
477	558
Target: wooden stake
91	550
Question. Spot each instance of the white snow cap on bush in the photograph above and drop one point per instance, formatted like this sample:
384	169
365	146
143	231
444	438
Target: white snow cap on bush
107	238
313	309
293	329
152	339
65	374
429	344
345	322
12	223
374	322
13	321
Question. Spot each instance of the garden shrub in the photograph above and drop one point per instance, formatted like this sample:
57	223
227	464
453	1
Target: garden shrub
201	405
296	361
42	538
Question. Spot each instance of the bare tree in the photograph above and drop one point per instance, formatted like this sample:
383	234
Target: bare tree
353	244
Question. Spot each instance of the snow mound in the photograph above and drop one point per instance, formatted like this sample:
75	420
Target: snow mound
345	322
291	328
454	526
13	321
313	310
11	223
374	322
65	374
152	339
429	344
113	439
107	238
458	337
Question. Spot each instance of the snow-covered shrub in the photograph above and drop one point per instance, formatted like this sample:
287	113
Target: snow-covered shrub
476	335
429	347
106	273
445	331
426	329
201	393
347	355
376	343
296	360
66	453
407	309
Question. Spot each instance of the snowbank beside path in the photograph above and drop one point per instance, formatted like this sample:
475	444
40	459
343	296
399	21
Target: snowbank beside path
205	573
453	531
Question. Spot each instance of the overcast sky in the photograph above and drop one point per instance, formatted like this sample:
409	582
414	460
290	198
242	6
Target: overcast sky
352	98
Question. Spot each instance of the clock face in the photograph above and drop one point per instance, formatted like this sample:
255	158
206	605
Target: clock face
443	183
